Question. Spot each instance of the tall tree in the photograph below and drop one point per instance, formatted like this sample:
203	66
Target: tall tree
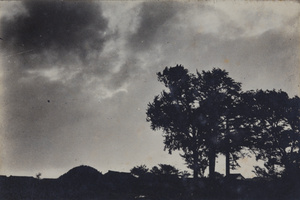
219	99
173	112
197	114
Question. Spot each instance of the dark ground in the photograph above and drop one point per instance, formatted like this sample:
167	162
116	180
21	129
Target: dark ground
87	183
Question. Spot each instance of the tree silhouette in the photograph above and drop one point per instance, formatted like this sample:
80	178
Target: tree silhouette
276	137
139	170
164	169
198	115
173	111
293	119
38	175
219	99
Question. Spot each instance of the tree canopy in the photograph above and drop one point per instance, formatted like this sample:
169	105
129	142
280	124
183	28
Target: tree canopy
197	113
276	137
207	113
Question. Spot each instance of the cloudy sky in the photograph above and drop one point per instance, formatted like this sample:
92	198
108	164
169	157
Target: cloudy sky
76	77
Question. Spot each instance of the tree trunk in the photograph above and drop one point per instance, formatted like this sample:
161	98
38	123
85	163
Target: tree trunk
227	163
196	165
227	149
212	163
195	174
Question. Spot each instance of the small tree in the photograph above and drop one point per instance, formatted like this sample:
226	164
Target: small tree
184	174
38	175
165	169
139	171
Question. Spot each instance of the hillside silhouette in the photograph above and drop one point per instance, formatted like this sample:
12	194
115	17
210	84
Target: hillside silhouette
83	174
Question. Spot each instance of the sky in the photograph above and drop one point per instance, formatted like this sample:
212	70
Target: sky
76	77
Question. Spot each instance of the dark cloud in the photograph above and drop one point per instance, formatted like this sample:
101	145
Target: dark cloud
62	27
64	38
50	35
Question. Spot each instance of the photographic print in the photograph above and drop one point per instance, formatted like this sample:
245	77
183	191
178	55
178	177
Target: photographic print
156	100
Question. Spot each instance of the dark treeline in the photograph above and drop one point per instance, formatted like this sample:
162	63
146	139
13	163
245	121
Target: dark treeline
207	113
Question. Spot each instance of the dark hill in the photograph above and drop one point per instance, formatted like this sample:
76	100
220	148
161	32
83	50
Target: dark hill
81	173
82	177
81	182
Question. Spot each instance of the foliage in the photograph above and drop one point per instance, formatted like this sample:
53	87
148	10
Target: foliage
139	170
173	111
206	113
198	115
276	136
219	100
164	169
